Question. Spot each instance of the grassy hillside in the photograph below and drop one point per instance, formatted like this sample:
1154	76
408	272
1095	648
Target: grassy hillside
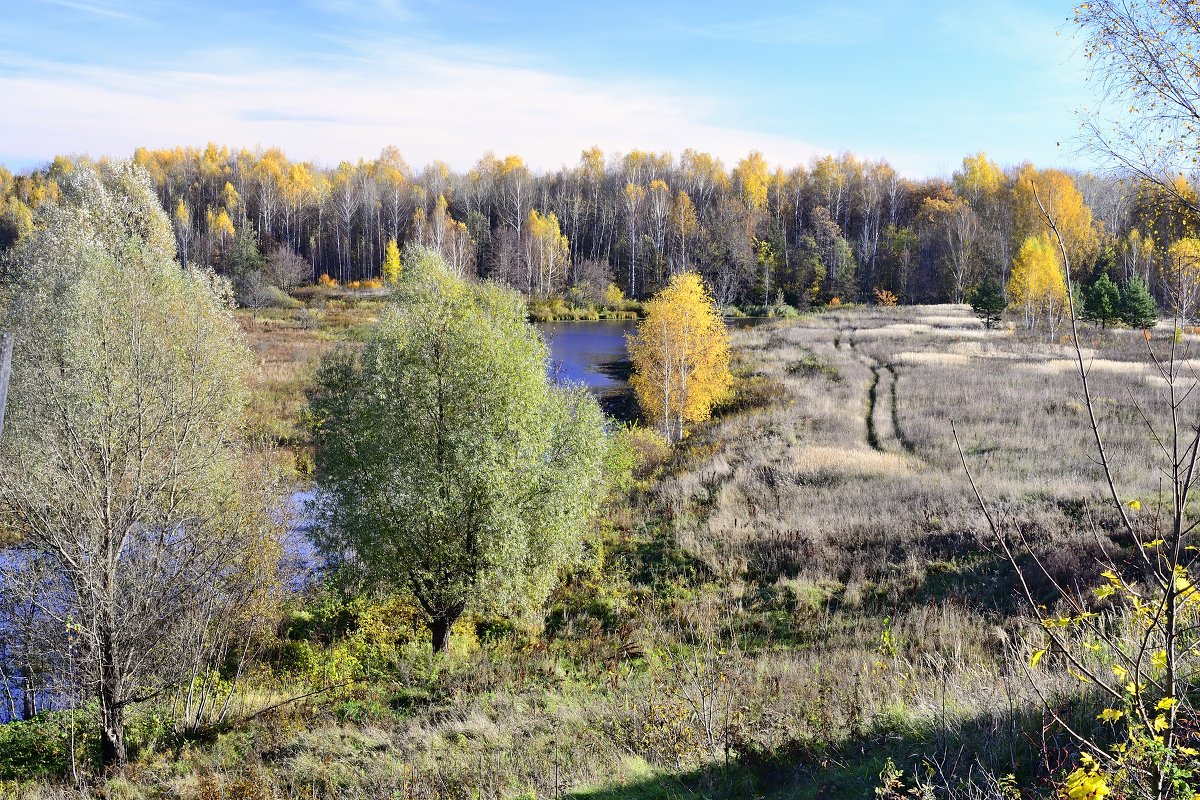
801	592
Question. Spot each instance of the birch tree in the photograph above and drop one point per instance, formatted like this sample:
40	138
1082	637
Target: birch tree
680	356
143	542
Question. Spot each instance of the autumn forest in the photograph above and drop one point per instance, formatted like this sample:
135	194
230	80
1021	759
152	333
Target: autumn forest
759	233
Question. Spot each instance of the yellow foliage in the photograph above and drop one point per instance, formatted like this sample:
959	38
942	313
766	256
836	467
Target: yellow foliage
980	177
1037	283
884	297
1183	276
392	269
1085	783
220	225
753	178
1064	202
326	281
230	197
613	296
683	216
680	356
551	251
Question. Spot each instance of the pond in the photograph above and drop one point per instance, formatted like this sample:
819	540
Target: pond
593	353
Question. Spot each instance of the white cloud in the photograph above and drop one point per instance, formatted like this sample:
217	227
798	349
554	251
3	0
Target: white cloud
430	106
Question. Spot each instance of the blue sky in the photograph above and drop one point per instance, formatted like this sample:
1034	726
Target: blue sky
919	83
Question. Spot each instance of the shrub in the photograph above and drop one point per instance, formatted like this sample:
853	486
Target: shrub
274	297
614	298
41	747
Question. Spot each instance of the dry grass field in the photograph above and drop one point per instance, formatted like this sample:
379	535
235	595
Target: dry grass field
802	591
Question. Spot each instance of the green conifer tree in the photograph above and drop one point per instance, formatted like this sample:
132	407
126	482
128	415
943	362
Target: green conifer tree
988	302
1102	302
1137	306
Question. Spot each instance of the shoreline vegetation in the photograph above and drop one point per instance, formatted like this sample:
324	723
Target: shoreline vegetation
899	503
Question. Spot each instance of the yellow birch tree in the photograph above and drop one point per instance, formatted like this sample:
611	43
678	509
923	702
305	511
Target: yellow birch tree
680	356
1036	283
1182	279
391	263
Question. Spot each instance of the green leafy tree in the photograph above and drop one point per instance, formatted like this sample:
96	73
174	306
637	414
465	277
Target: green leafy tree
1138	309
1102	302
448	465
144	540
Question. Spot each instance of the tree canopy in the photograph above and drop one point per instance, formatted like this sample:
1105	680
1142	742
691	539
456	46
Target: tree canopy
143	534
680	356
1138	309
987	301
1102	302
449	467
1037	284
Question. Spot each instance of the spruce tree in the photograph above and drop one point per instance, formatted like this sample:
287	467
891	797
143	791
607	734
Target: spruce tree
1102	302
987	302
1137	306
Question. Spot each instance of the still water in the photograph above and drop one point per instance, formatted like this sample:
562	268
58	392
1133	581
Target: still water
593	353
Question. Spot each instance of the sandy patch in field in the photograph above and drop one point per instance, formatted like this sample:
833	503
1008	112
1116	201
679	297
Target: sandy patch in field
936	359
818	462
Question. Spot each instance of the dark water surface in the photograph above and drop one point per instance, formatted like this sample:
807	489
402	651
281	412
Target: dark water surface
593	353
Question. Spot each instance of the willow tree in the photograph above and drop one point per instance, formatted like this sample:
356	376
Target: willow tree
680	356
143	543
448	465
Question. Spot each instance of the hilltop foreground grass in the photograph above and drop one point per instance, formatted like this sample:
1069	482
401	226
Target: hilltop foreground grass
802	591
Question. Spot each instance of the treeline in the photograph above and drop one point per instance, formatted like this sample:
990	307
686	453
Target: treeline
838	227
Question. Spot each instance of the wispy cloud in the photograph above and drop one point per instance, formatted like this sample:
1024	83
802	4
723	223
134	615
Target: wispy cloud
429	106
828	25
